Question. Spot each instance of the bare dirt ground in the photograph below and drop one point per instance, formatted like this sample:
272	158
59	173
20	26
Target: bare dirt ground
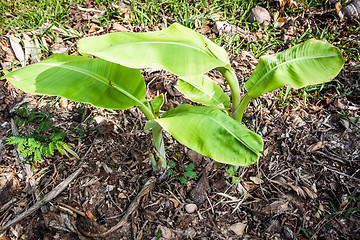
298	189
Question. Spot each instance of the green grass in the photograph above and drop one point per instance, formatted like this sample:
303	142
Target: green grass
24	15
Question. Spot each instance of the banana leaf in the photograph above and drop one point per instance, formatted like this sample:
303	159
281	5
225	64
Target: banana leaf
177	49
212	133
96	81
309	63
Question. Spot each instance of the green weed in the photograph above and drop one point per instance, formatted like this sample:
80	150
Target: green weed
187	172
43	141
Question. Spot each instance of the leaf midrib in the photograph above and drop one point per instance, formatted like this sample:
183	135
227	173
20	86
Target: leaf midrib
210	53
287	62
228	130
96	77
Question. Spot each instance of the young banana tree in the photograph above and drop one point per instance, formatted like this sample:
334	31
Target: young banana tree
113	80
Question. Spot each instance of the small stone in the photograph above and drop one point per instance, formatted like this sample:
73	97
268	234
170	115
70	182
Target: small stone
238	228
260	15
190	208
352	10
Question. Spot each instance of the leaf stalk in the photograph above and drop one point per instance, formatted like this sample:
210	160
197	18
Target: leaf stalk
239	112
158	140
233	82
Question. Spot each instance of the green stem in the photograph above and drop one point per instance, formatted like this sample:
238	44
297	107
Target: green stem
158	140
148	113
239	112
233	82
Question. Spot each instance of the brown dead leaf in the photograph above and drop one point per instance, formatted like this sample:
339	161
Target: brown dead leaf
90	215
256	180
205	29
64	103
249	186
285	4
309	192
174	201
343	204
320	211
20	204
276	207
315	146
94	28
338	8
279	23
300	190
17	48
119	28
122	195
3	236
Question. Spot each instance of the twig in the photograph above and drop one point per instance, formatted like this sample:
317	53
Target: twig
70	208
343	174
48	197
149	185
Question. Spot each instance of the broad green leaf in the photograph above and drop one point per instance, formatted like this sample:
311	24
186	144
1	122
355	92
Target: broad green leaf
203	90
212	133
156	104
96	81
311	62
177	49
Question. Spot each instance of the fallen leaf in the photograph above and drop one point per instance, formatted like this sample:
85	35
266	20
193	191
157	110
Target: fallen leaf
27	45
122	195
43	41
90	215
205	29
249	186
320	211
94	28
300	190
101	12
309	192
315	146
119	28
256	180
17	48
174	201
284	4
239	228
3	236
20	204
279	23
64	103
276	207
343	204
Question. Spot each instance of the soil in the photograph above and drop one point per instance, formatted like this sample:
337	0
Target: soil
298	190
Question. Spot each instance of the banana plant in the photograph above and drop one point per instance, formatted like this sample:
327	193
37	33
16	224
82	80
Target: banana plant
113	80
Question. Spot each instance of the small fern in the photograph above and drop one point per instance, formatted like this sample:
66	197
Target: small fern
41	143
31	147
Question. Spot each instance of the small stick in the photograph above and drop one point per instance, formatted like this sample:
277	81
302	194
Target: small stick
47	198
149	185
72	209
